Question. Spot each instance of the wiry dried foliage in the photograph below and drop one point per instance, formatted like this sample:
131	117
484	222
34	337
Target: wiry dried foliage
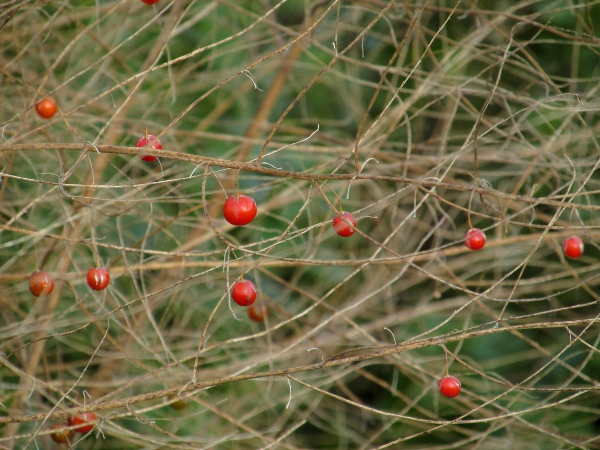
423	119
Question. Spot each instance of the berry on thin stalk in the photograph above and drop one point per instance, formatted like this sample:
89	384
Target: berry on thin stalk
449	386
573	247
475	239
243	292
46	108
239	210
40	283
98	278
341	226
149	140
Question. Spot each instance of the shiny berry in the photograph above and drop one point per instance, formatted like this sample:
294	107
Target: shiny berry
239	210
243	292
257	312
98	278
86	420
341	227
153	141
60	434
573	247
449	386
475	239
46	108
150	2
40	283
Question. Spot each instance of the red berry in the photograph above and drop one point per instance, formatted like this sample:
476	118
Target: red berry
98	278
258	312
60	434
46	107
573	247
341	227
152	140
239	210
40	283
475	239
243	292
449	386
150	2
86	420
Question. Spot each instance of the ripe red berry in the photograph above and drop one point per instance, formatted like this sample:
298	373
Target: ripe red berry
243	292
98	278
449	386
573	247
341	227
60	434
475	239
46	107
87	421
40	283
258	312
150	2
239	210
153	141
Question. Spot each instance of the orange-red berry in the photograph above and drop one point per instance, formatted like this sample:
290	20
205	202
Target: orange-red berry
40	283
46	107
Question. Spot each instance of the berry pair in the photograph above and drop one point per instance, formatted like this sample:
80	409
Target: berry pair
241	210
41	282
46	108
572	247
